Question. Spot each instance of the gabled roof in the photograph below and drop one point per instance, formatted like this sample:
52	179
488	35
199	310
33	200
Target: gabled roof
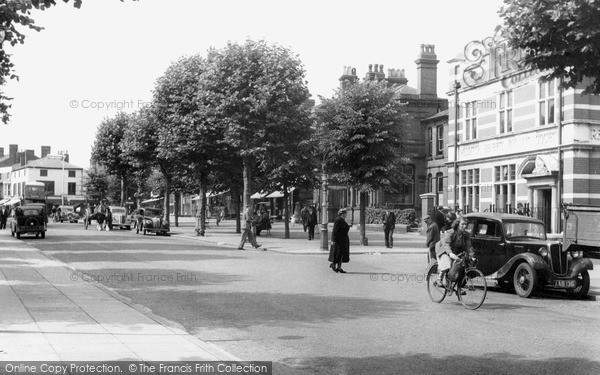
441	114
50	163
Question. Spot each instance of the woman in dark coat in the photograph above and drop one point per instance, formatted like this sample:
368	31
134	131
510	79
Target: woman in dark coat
339	252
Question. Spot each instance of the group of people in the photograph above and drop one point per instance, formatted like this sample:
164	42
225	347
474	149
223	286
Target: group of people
446	239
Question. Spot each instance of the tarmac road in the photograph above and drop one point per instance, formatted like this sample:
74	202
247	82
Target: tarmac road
293	310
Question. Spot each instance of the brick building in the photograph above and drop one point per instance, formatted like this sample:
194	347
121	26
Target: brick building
520	139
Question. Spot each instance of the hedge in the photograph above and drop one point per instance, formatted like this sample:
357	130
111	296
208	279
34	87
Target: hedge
374	215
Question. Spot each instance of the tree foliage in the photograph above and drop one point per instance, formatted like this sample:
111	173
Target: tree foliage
360	135
255	92
561	37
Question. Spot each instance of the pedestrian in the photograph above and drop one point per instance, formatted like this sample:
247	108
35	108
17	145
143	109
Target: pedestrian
109	218
311	222
339	251
304	216
389	224
139	220
218	215
3	217
433	236
520	210
247	234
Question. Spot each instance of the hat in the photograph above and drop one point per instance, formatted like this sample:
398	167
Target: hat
427	217
342	211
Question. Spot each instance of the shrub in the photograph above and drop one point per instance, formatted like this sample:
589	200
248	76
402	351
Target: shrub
374	215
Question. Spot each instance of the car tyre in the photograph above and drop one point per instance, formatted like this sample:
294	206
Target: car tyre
144	232
18	235
583	286
525	280
43	234
12	231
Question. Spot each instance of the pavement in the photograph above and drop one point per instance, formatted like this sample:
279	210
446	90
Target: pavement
49	313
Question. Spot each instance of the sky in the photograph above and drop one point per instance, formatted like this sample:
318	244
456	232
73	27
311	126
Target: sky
89	63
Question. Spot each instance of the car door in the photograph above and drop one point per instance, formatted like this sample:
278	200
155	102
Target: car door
488	243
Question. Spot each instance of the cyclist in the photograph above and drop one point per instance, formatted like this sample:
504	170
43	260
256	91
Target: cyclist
456	240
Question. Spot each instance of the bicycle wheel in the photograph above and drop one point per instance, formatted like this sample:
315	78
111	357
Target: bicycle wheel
472	289
437	293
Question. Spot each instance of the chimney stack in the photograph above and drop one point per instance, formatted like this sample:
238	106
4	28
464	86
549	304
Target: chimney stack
45	151
348	77
29	156
396	77
1	152
12	153
427	71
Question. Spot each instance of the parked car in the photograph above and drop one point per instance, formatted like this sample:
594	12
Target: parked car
67	213
514	250
28	219
119	217
154	222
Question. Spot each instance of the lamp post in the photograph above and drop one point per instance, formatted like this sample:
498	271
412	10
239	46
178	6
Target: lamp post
455	164
62	186
324	206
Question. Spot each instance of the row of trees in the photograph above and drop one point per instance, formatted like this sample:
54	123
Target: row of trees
239	119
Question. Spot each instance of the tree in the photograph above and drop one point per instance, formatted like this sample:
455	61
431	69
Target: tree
253	90
108	148
560	37
96	183
12	14
360	139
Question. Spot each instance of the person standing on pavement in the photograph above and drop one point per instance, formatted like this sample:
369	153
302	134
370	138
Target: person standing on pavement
311	222
3	217
389	224
339	251
433	236
247	234
140	220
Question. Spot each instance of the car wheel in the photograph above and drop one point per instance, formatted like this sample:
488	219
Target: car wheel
144	232
583	286
12	232
525	280
43	234
18	235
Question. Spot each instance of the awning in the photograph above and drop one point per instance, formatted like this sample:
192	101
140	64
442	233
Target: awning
257	195
151	200
13	201
278	194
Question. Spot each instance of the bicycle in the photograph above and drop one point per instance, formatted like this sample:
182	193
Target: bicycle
470	287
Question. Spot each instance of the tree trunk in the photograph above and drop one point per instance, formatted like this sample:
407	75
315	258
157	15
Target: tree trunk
286	220
235	196
247	175
177	206
202	203
363	211
122	191
167	199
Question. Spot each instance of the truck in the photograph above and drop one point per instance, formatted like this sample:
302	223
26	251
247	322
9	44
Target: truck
581	231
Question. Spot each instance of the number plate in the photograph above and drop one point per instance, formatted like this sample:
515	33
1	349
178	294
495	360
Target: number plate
30	228
565	283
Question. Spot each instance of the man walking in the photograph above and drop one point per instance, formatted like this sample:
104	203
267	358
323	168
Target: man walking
433	236
389	224
247	234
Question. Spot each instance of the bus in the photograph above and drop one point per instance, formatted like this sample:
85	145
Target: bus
35	192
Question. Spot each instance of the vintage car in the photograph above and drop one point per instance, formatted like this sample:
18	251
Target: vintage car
120	218
514	250
28	219
154	222
67	213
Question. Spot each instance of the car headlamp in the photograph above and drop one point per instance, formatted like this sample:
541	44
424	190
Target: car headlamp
543	251
576	254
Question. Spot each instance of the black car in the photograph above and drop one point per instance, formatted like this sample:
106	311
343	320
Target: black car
28	219
514	250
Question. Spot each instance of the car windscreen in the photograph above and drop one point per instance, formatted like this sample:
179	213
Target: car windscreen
152	213
524	229
31	212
